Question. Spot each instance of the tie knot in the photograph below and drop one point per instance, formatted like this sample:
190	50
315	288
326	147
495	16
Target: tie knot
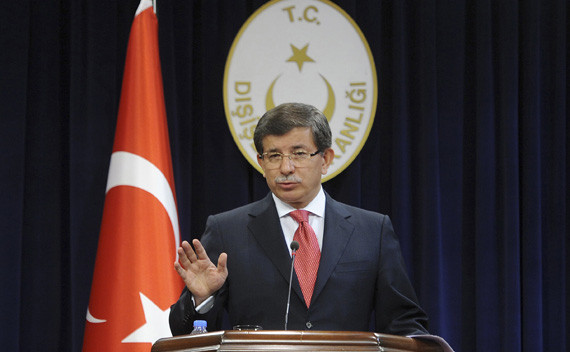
300	215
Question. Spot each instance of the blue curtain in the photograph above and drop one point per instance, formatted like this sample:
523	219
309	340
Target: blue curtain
468	155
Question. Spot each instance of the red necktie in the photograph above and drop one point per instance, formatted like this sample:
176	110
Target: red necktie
308	254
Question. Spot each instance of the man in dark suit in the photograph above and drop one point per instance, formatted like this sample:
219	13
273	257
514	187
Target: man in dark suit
242	265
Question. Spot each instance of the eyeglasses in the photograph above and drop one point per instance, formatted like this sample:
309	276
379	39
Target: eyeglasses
298	157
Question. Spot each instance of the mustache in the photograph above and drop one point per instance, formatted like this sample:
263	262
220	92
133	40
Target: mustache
288	178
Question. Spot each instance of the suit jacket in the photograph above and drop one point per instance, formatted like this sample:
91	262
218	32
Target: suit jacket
361	274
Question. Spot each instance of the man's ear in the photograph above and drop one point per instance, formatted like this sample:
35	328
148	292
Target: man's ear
260	162
328	156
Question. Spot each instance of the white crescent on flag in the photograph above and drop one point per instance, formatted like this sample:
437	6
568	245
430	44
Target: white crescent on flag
128	169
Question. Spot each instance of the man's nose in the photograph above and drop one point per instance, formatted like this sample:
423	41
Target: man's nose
287	165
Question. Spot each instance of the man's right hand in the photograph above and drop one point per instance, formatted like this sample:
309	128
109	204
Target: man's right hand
201	276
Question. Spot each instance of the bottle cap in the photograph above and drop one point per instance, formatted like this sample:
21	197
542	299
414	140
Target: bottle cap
201	323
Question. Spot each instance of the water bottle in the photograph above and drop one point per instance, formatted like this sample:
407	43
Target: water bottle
199	327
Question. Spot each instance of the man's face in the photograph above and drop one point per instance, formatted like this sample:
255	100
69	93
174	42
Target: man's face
295	182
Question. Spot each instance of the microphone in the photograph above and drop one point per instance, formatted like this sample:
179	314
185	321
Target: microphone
294	247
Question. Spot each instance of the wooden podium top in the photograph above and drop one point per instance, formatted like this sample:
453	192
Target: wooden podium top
292	340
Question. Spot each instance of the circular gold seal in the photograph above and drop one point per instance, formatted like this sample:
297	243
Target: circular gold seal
307	51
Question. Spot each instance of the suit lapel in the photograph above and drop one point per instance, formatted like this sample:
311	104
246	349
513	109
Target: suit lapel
266	229
337	233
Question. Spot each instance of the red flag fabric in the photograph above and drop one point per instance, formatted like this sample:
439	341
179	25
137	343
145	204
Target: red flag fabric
134	282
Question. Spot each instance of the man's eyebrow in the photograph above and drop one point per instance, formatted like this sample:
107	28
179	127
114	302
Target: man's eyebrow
299	147
295	147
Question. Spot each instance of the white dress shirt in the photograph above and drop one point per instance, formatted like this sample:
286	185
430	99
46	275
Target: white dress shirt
316	209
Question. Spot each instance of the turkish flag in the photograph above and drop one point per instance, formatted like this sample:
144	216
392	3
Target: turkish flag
134	282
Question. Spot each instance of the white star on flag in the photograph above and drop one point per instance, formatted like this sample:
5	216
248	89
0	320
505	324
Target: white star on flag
156	325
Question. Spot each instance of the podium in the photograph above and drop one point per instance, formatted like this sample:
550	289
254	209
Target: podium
292	340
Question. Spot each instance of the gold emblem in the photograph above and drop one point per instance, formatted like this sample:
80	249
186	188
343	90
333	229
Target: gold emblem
306	51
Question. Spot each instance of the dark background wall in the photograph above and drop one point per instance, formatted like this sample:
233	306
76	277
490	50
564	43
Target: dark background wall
468	155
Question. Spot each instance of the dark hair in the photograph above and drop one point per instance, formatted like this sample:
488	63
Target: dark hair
283	118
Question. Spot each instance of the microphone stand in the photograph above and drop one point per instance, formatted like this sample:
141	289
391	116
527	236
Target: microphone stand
294	247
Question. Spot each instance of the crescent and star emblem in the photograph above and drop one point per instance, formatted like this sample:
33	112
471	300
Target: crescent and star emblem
300	57
308	51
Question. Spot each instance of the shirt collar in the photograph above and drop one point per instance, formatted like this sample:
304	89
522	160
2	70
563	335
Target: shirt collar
316	206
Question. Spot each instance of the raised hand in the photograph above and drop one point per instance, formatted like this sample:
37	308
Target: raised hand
201	276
